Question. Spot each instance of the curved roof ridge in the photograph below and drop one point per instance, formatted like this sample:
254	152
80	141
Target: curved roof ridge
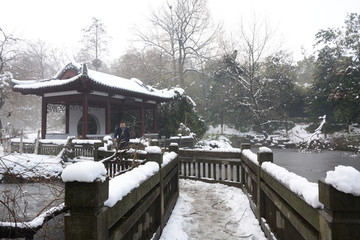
98	80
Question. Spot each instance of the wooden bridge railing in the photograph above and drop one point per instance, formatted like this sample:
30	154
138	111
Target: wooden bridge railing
211	166
140	214
282	213
123	161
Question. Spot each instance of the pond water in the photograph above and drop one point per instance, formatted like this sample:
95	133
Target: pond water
313	166
23	202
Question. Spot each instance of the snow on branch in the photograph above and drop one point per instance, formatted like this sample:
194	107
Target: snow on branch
39	220
318	130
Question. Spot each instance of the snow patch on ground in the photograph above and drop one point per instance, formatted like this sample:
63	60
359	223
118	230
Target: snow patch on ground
220	143
30	165
227	131
297	134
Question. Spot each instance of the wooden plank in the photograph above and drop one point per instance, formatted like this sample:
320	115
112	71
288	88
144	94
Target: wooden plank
228	161
129	200
306	230
119	230
309	213
211	154
228	183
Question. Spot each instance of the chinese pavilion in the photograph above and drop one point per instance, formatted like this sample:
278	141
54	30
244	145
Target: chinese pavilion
94	102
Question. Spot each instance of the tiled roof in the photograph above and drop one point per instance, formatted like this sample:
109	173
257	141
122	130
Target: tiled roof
96	81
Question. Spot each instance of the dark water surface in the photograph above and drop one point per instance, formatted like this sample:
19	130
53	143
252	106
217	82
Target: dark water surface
313	166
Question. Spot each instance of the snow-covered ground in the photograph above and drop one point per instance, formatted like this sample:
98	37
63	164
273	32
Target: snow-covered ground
296	135
211	211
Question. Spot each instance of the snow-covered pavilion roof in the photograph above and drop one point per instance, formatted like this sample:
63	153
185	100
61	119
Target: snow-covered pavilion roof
95	81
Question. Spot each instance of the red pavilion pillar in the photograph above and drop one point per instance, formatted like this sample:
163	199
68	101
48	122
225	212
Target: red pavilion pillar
85	116
142	119
43	118
155	118
67	118
107	117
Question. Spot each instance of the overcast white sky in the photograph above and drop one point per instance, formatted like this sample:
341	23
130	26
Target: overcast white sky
60	22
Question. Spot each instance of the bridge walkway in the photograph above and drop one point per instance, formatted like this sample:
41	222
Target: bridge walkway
211	211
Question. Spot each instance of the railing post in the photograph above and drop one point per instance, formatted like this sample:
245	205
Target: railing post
70	147
340	218
37	143
154	154
244	146
163	141
174	147
96	148
21	147
87	217
264	155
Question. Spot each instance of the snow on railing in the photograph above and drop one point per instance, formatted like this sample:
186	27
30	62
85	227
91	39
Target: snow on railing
297	184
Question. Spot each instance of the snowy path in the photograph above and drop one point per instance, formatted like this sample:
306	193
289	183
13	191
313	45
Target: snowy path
211	211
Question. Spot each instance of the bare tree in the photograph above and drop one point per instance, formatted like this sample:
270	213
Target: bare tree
244	67
38	60
95	40
147	65
8	53
183	31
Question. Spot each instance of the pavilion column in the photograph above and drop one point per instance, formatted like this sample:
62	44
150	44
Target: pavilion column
142	119
43	118
155	118
85	116
107	117
67	118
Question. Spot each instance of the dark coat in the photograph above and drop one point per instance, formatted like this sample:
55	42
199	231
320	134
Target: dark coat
118	132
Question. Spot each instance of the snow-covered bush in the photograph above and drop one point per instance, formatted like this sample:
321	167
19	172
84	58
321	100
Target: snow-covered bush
179	110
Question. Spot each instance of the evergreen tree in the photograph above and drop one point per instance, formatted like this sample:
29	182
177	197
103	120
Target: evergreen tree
279	93
336	87
180	110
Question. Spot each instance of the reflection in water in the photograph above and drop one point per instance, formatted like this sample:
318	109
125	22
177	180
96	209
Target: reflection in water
314	166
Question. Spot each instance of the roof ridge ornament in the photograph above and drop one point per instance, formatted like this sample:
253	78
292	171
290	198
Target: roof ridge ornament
84	70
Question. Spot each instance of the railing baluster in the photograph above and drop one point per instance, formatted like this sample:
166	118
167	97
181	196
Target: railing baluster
215	169
185	166
226	172
238	174
209	170
204	169
198	170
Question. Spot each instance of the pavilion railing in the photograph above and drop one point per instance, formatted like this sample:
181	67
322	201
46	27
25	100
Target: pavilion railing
74	148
